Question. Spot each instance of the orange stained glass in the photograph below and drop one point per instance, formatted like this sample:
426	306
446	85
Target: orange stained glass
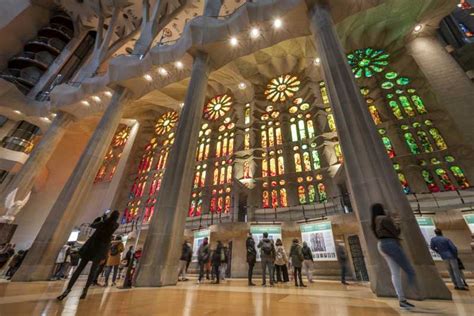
271	140
283	198
273	171
215	178
264	138
281	165
264	167
265	199
279	139
274	198
306	161
246	141
229	174
247	170
222	175
227	204
298	165
231	146
281	88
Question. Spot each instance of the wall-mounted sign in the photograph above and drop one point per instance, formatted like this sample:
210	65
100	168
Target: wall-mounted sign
274	233
320	239
427	228
198	240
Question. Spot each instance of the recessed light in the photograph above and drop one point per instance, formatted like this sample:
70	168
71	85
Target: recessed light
86	103
17	112
234	41
277	23
162	71
96	98
108	93
53	114
178	64
181	104
242	85
418	28
44	118
317	61
148	77
254	32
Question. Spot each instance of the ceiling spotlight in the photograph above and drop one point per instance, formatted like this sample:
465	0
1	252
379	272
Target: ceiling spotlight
54	114
86	103
17	112
108	93
418	28
242	85
162	71
254	32
179	65
148	77
96	98
181	104
317	61
234	41
44	118
277	23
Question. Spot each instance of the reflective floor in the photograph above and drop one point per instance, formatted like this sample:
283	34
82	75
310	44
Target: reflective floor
230	298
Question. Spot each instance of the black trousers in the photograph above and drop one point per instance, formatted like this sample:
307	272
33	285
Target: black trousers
297	275
215	271
250	272
90	278
281	273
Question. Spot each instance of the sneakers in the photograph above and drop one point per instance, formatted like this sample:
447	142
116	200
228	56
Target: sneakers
405	304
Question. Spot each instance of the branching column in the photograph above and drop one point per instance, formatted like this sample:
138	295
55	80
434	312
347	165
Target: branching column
370	173
38	264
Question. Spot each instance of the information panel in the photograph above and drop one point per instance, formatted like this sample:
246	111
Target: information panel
274	232
198	239
469	218
320	239
427	228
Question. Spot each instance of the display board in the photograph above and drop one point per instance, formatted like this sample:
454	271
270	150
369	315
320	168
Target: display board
469	218
198	239
320	239
274	232
427	228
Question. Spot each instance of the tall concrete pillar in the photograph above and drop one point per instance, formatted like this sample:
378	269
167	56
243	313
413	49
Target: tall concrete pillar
39	157
158	265
39	262
370	174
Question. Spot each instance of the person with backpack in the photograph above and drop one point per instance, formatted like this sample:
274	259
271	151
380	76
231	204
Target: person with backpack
281	262
267	257
296	256
186	255
203	257
251	257
113	261
217	257
224	262
308	261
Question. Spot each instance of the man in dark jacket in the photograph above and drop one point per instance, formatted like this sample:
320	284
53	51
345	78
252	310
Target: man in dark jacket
449	253
267	256
186	255
95	249
203	257
308	262
251	257
342	259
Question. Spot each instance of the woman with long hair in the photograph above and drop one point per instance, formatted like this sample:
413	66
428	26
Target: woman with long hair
388	232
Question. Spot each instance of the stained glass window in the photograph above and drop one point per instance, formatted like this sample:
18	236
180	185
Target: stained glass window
444	179
281	88
387	143
338	151
439	140
402	178
396	109
331	122
367	62
217	107
274	194
411	143
430	183
459	176
425	143
166	122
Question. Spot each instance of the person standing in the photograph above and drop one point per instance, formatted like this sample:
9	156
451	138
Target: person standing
186	255
15	263
449	253
113	261
7	251
95	249
267	257
251	257
342	259
203	257
224	262
62	262
389	247
308	261
217	258
281	262
296	256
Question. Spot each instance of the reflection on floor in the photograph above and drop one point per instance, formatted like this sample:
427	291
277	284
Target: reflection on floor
230	298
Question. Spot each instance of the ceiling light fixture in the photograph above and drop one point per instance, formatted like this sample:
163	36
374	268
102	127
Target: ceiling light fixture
44	118
277	23
148	77
179	65
162	71
17	112
418	28
54	114
254	32
234	41
86	103
317	61
181	104
242	85
108	93
96	98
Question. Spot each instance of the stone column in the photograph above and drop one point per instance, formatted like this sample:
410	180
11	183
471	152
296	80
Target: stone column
371	177
39	262
162	249
25	179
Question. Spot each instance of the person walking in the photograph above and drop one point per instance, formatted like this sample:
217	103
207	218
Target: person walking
281	262
449	253
203	257
113	260
389	247
296	256
342	259
267	257
186	255
308	261
95	249
217	258
251	257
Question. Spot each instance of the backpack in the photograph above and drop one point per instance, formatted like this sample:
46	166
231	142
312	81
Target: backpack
267	248
114	250
279	254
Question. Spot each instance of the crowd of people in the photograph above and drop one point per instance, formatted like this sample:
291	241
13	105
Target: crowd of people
212	262
10	260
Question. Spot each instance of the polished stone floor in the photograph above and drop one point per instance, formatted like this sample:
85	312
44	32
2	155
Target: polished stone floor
231	298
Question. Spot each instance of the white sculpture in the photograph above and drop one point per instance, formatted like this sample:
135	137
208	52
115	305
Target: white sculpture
13	207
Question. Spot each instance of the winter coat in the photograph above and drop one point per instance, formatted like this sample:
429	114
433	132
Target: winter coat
114	260
296	256
97	246
217	256
251	251
307	254
281	257
203	253
186	253
444	247
264	256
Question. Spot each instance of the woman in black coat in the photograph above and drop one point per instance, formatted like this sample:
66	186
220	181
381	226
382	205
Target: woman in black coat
95	249
216	260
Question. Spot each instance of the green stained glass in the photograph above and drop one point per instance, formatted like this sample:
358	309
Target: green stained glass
396	109
416	124
398	91
323	197
439	140
366	62
391	75
364	91
405	127
407	106
428	122
449	158
429	181
390	96
435	161
358	73
460	177
311	193
403	81
411	90
387	85
368	73
396	166
316	160
425	143
420	106
411	143
388	147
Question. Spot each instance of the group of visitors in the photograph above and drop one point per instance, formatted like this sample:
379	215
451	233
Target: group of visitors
10	261
214	261
67	259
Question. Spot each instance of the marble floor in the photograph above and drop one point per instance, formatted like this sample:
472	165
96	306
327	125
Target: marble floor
230	298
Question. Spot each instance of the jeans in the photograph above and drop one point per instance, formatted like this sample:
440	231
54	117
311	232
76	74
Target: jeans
108	269
308	269
223	270
392	252
454	272
281	273
182	269
250	272
267	263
